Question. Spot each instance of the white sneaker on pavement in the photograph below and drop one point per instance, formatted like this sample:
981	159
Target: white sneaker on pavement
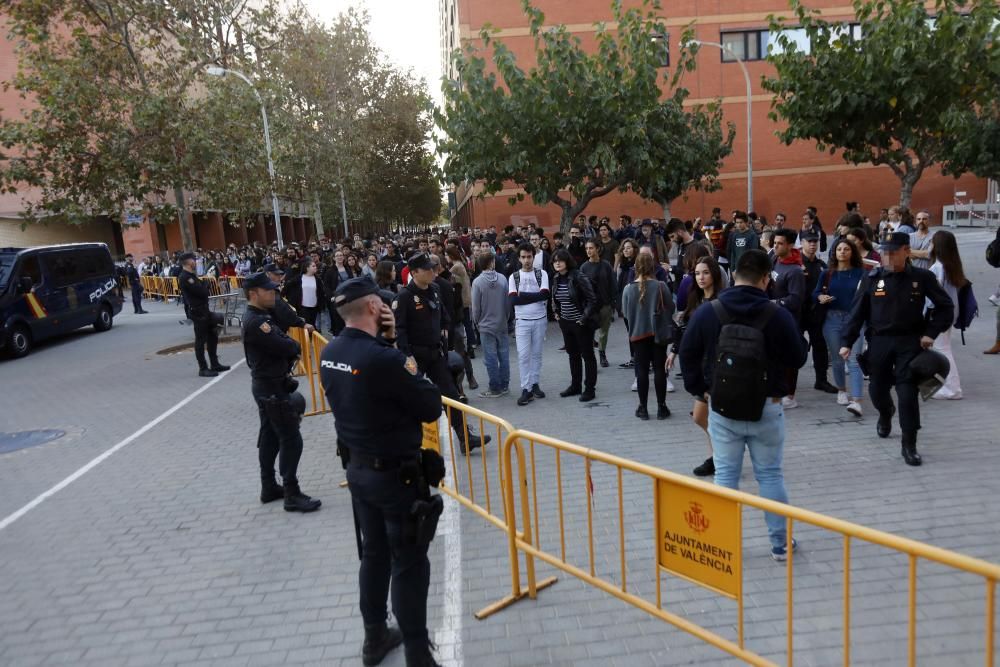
635	385
995	299
842	398
670	387
854	408
788	403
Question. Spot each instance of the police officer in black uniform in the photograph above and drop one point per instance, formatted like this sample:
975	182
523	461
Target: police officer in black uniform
135	283
890	301
271	354
284	313
380	400
421	325
205	322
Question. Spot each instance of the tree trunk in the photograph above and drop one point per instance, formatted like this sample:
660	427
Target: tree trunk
666	210
187	238
317	216
908	181
566	220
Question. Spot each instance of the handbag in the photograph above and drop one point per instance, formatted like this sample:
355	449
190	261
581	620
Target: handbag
663	321
818	313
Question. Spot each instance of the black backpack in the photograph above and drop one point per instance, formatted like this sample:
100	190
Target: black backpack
739	379
993	252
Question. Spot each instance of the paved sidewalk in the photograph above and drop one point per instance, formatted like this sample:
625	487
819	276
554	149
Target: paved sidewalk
162	555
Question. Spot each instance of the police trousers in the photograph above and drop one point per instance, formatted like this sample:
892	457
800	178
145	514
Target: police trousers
889	360
381	505
434	365
206	334
279	437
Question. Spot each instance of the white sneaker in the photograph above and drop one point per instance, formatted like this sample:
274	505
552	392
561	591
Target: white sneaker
788	403
854	408
995	299
670	387
635	385
842	398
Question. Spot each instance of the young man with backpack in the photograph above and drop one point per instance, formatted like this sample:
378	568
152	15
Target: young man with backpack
746	343
529	291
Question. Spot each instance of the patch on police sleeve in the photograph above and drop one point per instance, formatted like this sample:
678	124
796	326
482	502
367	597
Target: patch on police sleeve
265	327
191	281
394	304
410	365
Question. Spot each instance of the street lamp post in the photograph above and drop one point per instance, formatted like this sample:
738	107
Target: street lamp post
222	71
746	75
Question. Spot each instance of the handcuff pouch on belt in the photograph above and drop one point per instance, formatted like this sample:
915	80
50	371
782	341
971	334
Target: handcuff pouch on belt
422	521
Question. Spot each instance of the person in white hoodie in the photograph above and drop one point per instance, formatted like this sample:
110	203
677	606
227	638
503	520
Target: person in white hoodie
490	307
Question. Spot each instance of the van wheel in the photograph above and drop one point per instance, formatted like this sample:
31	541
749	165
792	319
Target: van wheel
19	341
104	319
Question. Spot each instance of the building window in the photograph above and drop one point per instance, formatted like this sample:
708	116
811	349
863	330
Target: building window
662	42
745	44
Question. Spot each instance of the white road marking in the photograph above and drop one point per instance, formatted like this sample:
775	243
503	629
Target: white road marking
450	633
8	520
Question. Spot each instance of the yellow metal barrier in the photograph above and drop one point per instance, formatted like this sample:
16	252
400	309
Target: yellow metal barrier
722	566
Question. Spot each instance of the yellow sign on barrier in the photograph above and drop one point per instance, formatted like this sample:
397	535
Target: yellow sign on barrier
699	537
432	438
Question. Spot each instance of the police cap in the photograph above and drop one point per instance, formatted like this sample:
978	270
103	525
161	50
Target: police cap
811	235
186	256
354	289
420	261
894	241
259	280
273	268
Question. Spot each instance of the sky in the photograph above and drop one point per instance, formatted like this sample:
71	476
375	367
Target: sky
405	30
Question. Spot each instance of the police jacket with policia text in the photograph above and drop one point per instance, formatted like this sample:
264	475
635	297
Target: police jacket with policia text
195	296
270	352
420	317
378	397
892	303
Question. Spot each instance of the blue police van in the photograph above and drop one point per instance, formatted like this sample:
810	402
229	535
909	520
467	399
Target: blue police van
51	290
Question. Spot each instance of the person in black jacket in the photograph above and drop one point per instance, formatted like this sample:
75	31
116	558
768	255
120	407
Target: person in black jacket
576	308
294	292
205	322
602	278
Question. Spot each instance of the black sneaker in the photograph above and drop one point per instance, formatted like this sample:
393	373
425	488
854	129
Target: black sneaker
706	469
587	395
526	397
207	373
570	391
536	391
628	364
662	412
642	413
220	368
824	385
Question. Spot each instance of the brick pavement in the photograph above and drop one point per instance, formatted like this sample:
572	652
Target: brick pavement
161	555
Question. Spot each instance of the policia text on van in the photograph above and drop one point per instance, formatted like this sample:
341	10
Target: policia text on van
51	290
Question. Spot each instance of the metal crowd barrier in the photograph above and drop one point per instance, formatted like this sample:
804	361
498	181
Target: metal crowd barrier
685	545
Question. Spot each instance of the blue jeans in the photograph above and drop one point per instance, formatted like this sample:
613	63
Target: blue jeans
766	441
832	327
496	358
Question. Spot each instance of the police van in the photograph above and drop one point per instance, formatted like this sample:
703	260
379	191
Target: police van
51	290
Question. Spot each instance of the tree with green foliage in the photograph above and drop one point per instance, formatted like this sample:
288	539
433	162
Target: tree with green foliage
578	124
888	96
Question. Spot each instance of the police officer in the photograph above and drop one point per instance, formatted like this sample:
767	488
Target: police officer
284	313
271	354
135	282
890	301
380	400
196	302
421	324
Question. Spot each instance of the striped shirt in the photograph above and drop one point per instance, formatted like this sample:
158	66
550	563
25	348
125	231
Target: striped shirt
567	309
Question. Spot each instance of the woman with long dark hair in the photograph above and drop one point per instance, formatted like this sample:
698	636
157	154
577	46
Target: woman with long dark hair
575	306
835	291
946	265
869	256
641	301
624	262
706	287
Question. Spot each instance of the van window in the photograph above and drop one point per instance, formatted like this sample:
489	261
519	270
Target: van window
65	268
30	268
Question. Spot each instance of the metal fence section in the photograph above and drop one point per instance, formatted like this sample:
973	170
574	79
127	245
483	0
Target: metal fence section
717	568
307	368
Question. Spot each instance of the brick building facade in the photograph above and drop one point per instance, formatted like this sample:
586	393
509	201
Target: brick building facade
785	178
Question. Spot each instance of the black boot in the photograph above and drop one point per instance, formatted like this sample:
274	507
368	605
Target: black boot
662	411
884	425
207	373
270	490
642	413
420	657
475	442
219	368
379	641
706	469
910	454
587	395
604	360
296	501
822	384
